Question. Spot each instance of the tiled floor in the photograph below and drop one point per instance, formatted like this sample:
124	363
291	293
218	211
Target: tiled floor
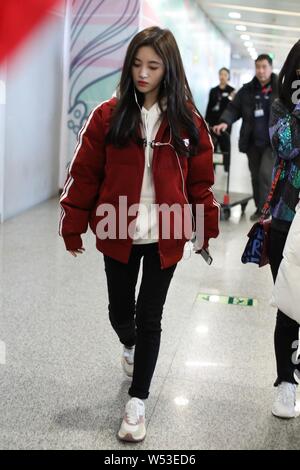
61	384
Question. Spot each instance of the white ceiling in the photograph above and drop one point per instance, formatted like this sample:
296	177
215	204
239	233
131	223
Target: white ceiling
273	25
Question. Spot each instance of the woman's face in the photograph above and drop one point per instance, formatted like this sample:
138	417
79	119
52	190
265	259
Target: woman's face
147	70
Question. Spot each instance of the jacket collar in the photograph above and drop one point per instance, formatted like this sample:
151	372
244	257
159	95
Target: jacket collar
163	126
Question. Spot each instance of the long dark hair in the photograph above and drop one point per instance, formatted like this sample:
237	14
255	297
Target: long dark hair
174	88
288	75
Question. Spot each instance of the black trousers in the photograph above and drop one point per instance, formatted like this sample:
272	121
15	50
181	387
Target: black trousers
261	163
286	330
138	322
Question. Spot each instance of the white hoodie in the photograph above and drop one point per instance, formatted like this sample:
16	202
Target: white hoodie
286	293
146	230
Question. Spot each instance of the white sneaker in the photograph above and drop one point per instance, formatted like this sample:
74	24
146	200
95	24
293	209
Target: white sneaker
127	360
133	425
285	401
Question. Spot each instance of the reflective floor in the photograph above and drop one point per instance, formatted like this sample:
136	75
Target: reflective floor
61	383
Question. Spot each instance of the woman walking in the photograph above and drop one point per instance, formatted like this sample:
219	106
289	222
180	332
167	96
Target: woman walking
145	148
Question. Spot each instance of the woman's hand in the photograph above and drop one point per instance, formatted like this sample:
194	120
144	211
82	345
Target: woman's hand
75	252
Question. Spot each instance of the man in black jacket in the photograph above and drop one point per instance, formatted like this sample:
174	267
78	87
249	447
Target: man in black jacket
252	103
219	97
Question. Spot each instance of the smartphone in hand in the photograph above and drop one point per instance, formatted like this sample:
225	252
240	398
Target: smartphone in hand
206	256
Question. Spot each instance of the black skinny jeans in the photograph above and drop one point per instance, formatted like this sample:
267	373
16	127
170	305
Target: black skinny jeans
286	330
138	323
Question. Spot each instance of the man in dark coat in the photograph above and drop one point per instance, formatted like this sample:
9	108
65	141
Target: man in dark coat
252	103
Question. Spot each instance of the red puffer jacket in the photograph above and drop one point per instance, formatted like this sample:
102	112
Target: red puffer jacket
99	173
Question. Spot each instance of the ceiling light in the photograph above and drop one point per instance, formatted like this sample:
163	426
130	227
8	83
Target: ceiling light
235	15
273	26
245	37
202	329
248	43
240	27
258	10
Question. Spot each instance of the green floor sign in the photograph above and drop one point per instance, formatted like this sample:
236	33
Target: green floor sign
229	300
